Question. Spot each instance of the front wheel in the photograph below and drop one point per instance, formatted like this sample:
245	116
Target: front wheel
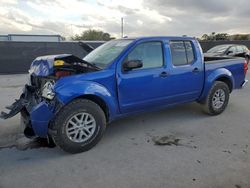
217	99
79	126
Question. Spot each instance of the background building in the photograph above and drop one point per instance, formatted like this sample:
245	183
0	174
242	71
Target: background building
31	38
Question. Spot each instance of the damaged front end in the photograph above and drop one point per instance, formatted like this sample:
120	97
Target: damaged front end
36	111
38	103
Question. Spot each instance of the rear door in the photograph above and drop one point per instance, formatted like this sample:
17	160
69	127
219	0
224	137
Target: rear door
186	74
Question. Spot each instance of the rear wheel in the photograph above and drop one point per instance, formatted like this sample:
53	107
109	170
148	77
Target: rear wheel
217	99
79	126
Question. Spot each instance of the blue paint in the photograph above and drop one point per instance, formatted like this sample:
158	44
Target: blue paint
40	117
127	93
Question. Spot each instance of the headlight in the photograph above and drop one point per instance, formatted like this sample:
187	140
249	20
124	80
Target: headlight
48	90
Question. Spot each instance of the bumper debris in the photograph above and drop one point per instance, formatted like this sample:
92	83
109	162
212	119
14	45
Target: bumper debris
15	108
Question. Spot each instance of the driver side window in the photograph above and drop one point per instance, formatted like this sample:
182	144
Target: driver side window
150	53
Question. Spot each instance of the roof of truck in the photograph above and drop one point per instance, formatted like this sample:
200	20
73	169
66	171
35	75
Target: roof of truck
160	37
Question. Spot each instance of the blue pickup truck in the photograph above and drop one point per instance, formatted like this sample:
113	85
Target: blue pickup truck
70	100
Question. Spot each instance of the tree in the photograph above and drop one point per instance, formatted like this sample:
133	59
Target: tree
205	37
63	38
215	36
221	36
93	34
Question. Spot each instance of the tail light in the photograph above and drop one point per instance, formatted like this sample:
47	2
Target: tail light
60	74
245	67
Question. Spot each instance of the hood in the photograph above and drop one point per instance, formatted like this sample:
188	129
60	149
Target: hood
44	65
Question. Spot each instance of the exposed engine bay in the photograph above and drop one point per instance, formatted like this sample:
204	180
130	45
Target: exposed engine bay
69	65
45	71
60	65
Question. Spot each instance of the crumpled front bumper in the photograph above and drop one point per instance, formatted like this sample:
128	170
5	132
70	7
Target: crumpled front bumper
36	114
40	117
15	108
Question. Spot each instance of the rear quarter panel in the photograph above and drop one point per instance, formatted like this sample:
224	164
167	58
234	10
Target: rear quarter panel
233	69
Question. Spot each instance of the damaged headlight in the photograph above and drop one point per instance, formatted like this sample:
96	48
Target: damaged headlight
48	90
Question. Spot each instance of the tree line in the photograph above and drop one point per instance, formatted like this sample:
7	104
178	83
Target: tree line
93	35
98	35
224	36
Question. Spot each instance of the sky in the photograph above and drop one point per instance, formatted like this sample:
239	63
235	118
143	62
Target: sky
141	17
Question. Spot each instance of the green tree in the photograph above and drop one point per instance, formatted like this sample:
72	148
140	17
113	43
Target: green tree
92	34
221	36
205	37
215	36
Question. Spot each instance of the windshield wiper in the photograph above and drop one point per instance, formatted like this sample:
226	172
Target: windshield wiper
92	65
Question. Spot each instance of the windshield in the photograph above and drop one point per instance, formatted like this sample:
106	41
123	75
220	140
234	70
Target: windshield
218	49
106	53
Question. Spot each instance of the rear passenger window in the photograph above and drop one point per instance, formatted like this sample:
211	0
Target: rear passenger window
178	53
189	51
182	52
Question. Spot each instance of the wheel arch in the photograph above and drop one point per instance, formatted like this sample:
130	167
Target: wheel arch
98	100
221	74
92	91
227	81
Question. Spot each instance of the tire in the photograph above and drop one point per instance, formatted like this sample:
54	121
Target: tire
67	119
210	106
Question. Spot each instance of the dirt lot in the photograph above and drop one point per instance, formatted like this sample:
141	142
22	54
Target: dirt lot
195	150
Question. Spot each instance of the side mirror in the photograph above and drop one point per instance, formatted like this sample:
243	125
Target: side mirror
132	64
229	52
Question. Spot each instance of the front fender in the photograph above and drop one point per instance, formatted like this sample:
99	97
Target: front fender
211	77
68	91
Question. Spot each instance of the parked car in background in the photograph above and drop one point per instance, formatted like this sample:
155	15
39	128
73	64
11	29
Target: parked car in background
231	50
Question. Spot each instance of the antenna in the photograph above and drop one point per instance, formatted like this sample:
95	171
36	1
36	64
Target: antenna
122	22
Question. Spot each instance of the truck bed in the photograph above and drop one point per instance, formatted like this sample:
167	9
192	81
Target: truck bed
234	65
208	59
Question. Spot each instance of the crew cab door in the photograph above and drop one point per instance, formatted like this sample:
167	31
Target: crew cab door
186	70
143	87
172	73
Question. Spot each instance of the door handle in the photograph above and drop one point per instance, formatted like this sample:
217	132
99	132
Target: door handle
164	74
196	70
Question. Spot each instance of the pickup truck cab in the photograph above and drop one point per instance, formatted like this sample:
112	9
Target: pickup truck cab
71	100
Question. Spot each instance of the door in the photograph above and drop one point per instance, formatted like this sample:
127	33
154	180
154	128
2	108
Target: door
172	73
186	73
143	87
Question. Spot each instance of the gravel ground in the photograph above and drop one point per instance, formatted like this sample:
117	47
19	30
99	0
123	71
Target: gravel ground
205	151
